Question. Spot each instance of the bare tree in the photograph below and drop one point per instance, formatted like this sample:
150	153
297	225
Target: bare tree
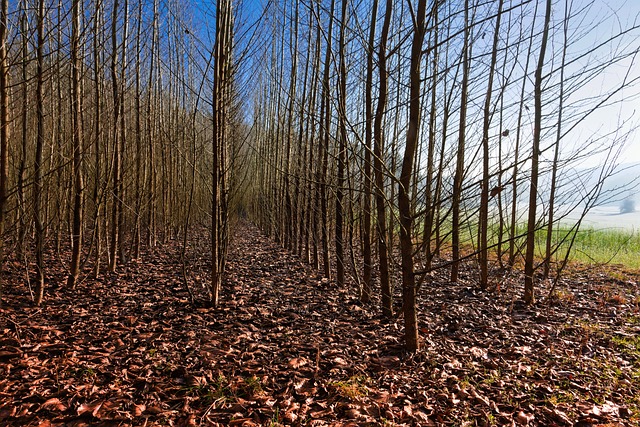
368	92
378	166
221	99
529	295
77	145
460	157
4	127
342	146
404	202
37	181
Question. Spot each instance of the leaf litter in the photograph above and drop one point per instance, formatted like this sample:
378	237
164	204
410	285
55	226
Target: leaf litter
287	347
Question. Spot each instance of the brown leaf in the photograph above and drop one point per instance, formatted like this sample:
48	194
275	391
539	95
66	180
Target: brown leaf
90	408
523	418
352	413
154	410
139	409
241	422
297	362
53	404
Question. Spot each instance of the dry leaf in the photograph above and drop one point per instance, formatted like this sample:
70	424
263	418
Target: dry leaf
53	404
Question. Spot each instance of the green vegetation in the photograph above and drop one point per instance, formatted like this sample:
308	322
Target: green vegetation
591	245
354	387
603	246
628	344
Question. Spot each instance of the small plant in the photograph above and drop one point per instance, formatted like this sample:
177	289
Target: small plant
85	373
253	385
152	352
494	376
275	419
561	397
628	344
633	319
563	296
354	387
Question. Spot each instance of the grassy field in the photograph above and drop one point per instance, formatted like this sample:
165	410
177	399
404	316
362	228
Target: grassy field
591	245
602	246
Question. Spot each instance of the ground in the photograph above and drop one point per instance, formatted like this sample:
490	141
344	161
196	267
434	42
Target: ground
287	347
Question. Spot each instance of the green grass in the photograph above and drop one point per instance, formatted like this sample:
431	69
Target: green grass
591	246
600	246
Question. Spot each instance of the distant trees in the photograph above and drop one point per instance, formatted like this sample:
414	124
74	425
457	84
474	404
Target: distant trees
628	206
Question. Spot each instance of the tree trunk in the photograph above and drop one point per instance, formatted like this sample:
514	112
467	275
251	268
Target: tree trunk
77	145
529	268
365	295
459	174
556	150
221	91
483	256
37	180
342	147
117	201
404	203
4	129
378	167
325	114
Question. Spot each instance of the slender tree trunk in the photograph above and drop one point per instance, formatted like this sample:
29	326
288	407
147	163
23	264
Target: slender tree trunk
117	201
430	198
378	167
459	174
23	224
301	191
221	91
96	196
138	129
483	256
37	180
4	129
77	145
342	147
151	175
556	151
404	202
516	156
366	212
120	200
325	114
289	215
529	268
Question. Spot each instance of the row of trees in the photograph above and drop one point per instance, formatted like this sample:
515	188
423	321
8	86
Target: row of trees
115	119
398	138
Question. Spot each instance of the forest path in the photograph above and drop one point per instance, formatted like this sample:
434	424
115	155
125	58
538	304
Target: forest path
289	348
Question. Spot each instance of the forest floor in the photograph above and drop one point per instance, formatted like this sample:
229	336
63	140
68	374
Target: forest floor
287	347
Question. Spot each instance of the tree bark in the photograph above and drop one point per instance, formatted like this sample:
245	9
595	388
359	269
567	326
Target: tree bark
37	180
459	174
77	145
378	167
529	267
412	342
4	129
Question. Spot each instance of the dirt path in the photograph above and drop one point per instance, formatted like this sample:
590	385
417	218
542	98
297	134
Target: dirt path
289	348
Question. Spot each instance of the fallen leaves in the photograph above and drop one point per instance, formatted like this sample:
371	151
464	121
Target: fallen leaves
288	347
